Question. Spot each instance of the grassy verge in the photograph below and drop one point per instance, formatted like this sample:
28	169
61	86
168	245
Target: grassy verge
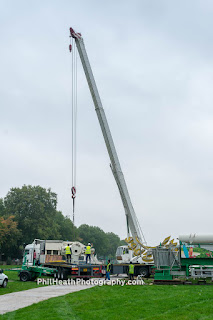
128	302
14	283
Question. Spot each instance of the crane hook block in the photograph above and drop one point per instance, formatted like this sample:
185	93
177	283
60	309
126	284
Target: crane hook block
73	190
70	47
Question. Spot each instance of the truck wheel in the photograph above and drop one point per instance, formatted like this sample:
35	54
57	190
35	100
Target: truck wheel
64	274
4	284
144	272
25	276
60	274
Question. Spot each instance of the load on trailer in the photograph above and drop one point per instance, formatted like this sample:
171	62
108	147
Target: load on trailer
54	251
192	257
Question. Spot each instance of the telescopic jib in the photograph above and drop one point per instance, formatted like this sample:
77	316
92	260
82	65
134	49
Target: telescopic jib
133	226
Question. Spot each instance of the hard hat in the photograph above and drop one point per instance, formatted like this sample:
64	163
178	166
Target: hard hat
89	244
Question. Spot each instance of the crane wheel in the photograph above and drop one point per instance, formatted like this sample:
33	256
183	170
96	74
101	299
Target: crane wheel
143	272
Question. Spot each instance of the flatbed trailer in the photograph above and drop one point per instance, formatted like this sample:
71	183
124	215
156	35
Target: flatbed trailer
84	271
66	270
30	273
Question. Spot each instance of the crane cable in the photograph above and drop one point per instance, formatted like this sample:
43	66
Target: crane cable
73	49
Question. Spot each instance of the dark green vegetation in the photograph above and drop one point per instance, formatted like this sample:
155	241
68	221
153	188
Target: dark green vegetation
105	244
31	212
132	303
14	283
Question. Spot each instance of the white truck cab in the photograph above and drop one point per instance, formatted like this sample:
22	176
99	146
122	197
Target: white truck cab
3	279
29	251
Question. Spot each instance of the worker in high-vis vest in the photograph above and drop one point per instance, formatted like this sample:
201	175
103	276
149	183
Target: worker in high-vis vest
108	270
68	253
131	270
88	252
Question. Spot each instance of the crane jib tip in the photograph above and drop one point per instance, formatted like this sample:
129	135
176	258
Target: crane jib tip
74	34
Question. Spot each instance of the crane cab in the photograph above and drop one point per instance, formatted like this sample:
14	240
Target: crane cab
123	254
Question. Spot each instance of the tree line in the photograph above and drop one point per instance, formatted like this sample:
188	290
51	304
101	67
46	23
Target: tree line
30	213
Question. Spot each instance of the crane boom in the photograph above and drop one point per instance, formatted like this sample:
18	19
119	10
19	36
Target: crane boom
133	227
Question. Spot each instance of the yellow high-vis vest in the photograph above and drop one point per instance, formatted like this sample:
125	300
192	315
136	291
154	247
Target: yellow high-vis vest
88	250
131	269
108	267
67	250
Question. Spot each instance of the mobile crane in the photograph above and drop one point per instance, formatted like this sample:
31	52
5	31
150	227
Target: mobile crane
133	226
135	238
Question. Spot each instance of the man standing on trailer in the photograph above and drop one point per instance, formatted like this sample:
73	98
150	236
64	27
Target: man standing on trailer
131	271
68	253
88	252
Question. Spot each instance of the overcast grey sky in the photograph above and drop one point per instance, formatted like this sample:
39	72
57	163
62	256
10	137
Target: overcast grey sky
153	64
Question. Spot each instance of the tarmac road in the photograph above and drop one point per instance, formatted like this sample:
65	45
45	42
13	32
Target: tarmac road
17	300
21	299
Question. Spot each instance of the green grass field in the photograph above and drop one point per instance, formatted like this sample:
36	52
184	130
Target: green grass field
128	302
